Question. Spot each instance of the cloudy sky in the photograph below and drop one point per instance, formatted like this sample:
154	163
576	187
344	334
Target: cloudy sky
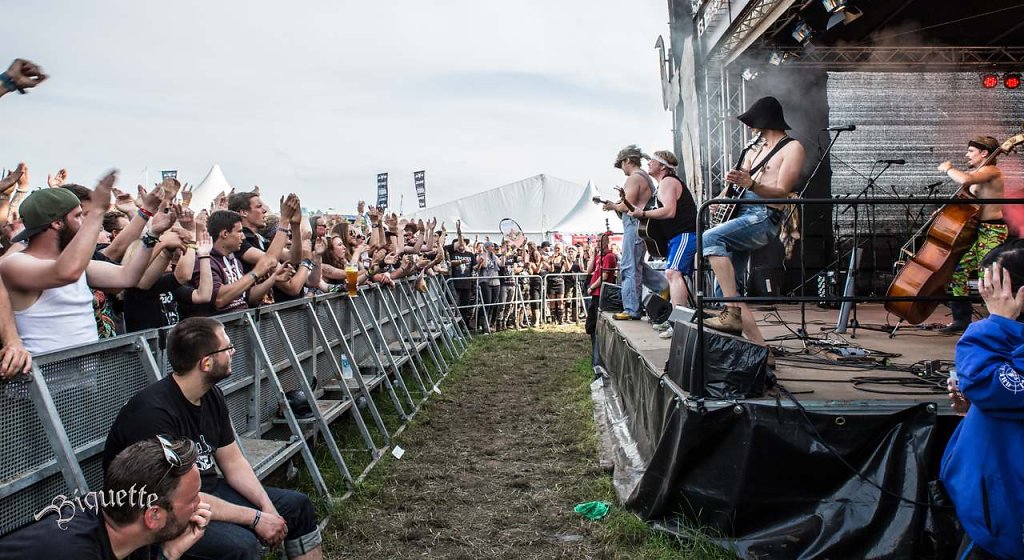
317	97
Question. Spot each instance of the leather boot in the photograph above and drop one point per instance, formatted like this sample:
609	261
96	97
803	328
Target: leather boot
962	312
730	320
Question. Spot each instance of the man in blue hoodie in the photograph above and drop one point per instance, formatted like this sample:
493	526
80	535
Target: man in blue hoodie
983	466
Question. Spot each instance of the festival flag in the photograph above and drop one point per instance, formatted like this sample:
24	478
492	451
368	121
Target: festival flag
419	177
382	190
169	174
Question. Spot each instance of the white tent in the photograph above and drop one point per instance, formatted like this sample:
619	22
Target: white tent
211	185
587	217
540	204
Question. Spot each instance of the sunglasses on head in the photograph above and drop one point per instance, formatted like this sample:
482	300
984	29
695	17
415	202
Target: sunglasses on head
172	458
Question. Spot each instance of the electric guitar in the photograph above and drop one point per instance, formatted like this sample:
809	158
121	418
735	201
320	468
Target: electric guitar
722	213
645	229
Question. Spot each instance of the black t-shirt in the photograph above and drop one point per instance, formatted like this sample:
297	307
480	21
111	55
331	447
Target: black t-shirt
462	263
252	239
161	409
156	307
83	537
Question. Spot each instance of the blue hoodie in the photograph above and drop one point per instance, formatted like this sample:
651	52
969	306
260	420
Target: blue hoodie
983	466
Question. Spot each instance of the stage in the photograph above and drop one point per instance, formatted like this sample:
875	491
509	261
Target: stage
823	378
841	462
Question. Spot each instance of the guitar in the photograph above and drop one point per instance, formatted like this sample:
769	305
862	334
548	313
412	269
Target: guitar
722	213
658	248
951	231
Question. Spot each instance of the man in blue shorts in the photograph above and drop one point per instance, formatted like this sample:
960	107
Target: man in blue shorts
674	219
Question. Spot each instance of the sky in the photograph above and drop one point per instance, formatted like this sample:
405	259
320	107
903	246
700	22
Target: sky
317	97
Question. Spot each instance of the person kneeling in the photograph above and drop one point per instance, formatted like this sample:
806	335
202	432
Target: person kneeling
189	404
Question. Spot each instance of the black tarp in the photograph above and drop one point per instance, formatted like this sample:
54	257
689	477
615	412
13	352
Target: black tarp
775	481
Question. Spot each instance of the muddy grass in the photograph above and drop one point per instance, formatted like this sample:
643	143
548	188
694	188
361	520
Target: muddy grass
494	465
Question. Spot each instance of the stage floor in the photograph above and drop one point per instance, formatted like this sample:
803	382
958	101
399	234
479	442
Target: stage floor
820	376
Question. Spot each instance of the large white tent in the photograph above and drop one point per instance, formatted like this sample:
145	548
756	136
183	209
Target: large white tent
541	204
213	184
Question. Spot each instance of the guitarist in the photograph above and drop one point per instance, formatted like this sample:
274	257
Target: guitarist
675	219
638	192
983	182
776	169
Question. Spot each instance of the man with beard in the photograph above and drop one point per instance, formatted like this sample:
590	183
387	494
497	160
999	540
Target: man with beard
189	404
150	496
983	181
49	282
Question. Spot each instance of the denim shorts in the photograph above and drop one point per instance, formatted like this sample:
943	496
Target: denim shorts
752	229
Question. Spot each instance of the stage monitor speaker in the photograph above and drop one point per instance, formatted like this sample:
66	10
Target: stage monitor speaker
734	368
611	298
767	269
682	314
658	310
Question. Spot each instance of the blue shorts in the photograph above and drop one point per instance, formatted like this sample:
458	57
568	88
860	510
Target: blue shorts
681	250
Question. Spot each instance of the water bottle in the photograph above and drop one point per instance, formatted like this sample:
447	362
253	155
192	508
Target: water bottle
346	368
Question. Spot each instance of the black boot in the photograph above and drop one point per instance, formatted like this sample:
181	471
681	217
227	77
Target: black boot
962	312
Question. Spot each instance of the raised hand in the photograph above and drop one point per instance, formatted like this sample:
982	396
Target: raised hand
23	179
169	189
997	290
291	211
172	240
320	246
186	216
221	202
162	220
11	180
151	200
256	190
204	243
100	196
141	196
25	74
266	264
57	180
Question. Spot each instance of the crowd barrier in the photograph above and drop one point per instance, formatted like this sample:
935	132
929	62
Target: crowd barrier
574	299
398	341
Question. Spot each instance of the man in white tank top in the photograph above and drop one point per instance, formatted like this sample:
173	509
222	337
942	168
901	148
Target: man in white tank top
49	282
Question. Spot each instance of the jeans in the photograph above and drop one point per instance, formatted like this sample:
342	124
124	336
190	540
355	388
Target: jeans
634	273
751	229
227	541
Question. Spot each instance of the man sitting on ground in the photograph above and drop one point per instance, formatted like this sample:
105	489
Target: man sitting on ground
189	404
151	495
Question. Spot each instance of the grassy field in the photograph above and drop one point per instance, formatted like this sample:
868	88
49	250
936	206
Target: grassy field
494	466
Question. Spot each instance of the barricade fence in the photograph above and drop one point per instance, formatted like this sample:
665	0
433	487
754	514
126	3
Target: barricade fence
397	341
522	298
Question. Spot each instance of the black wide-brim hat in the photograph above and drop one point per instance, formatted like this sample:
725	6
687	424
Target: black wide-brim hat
765	114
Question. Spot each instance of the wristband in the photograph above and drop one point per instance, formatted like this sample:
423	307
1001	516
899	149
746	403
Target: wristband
258	514
145	214
149	240
308	263
201	257
287	231
8	83
255	279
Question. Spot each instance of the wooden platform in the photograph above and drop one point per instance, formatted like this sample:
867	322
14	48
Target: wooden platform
817	375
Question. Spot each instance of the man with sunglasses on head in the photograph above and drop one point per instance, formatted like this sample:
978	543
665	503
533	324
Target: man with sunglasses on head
150	508
189	404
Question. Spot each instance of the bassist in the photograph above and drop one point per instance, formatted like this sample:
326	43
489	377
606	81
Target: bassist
778	165
983	181
676	220
633	271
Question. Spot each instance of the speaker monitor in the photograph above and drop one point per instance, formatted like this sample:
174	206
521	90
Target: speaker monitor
734	368
658	309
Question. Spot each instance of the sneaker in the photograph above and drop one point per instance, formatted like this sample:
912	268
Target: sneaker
623	316
953	328
665	334
729	321
662	326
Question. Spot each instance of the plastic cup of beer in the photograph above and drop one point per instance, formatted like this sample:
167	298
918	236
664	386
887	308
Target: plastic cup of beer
352	277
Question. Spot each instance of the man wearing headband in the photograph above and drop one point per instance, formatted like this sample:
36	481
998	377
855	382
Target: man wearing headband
983	181
675	220
634	272
776	168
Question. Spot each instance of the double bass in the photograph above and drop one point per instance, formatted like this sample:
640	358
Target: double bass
950	233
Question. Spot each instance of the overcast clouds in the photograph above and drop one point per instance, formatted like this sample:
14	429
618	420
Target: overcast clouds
318	97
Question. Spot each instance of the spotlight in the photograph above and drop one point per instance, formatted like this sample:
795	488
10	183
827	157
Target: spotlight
778	58
989	81
834	6
750	75
1011	80
845	16
802	32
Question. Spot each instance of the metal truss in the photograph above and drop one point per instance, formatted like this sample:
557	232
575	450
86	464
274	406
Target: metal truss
756	14
918	59
724	99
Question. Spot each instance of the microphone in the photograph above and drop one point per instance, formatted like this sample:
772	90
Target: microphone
893	161
845	128
934	185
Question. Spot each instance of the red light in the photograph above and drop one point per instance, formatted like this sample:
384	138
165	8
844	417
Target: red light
990	81
1011	81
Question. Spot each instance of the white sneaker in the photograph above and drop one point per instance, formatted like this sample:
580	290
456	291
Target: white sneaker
662	326
666	334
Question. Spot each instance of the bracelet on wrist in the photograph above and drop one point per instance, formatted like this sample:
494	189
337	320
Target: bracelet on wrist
146	214
255	279
201	257
9	84
258	514
149	240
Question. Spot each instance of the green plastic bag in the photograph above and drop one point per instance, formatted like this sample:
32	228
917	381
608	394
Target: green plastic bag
592	510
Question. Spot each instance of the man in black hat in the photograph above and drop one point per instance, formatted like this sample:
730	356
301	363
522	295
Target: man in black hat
49	282
772	171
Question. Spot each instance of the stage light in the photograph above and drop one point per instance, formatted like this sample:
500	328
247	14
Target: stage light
845	16
802	32
749	74
834	6
778	58
989	81
1011	80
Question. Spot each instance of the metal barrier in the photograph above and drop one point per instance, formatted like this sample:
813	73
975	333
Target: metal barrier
574	298
55	422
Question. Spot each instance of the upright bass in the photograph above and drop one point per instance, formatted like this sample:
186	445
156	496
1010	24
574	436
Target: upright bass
950	233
